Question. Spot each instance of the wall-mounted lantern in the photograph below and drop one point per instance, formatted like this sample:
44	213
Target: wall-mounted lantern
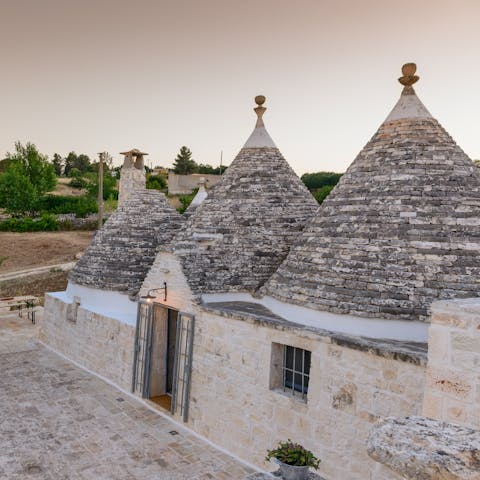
149	297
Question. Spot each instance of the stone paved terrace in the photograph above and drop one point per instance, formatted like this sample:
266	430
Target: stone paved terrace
58	422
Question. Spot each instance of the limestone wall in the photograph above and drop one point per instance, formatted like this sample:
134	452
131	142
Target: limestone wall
233	405
99	343
453	379
185	184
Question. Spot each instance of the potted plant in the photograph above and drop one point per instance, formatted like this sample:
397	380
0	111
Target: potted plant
294	460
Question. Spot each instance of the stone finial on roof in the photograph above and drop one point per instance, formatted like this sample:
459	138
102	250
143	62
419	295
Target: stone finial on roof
260	109
260	137
409	77
409	105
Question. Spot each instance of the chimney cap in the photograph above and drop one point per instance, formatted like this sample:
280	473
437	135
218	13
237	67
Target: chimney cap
133	152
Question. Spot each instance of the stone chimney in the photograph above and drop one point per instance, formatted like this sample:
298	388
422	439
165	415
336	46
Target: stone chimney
132	175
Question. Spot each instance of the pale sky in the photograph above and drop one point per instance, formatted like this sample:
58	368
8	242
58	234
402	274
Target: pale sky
96	75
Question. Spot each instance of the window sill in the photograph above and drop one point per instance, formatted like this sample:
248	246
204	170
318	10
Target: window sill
297	397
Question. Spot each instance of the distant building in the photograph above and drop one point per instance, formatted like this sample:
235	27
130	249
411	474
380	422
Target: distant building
185	184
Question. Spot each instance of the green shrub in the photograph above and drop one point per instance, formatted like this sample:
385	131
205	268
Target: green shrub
68	225
46	223
78	182
186	200
322	193
109	186
293	454
80	206
315	181
156	182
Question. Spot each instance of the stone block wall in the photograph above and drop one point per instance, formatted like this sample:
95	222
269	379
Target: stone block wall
233	405
131	179
453	376
185	184
99	343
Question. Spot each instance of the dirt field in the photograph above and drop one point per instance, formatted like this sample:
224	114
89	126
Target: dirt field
19	251
62	188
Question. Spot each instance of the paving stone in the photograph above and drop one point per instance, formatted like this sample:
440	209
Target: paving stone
59	422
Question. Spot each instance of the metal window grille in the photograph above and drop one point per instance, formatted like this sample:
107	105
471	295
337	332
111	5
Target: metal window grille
296	370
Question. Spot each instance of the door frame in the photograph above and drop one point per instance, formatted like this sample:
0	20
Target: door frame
183	355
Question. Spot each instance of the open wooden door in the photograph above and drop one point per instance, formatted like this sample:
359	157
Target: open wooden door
182	369
142	350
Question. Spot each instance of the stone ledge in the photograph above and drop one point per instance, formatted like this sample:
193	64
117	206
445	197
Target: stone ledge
419	448
468	305
405	351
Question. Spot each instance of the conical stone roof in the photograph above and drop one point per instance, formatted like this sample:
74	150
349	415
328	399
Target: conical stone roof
122	252
239	235
400	230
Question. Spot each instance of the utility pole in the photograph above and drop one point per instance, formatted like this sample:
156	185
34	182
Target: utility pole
100	188
221	159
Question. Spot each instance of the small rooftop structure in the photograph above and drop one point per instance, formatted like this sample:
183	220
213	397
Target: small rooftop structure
400	230
241	232
199	197
132	175
121	253
129	161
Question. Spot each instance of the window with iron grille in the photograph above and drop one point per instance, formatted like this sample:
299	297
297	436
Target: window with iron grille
296	370
290	370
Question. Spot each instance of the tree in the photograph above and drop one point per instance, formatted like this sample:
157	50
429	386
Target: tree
28	176
17	194
208	169
314	181
80	162
184	164
57	163
156	182
109	186
322	193
4	164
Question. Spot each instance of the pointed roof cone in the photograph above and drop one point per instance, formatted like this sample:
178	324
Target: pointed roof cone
400	230
242	231
122	252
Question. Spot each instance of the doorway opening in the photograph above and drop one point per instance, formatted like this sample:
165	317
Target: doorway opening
163	357
162	360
